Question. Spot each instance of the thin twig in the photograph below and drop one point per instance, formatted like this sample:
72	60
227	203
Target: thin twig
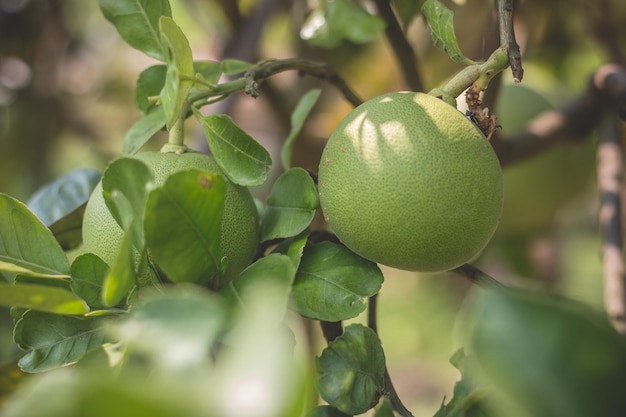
391	392
507	38
479	277
611	184
402	48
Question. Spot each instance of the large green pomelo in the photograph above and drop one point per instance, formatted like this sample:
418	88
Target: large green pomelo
408	181
240	232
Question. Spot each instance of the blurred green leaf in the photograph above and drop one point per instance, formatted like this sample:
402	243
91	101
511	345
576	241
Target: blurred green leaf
64	195
333	282
235	66
551	356
298	117
68	229
338	21
54	340
243	159
351	369
441	22
143	129
291	205
27	246
180	71
176	329
88	274
137	22
183	225
42	298
122	276
125	185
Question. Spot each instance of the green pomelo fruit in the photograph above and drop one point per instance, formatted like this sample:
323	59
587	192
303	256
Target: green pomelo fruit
408	181
240	233
536	188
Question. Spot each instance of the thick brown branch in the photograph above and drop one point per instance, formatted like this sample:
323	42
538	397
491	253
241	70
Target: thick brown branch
610	183
401	46
507	38
605	89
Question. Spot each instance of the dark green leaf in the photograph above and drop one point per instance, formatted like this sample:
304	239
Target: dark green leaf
68	229
243	159
180	72
326	411
88	275
27	246
273	273
183	225
122	276
551	356
298	117
338	21
333	282
42	298
235	66
142	130
64	195
407	10
291	205
54	341
137	22
441	22
350	371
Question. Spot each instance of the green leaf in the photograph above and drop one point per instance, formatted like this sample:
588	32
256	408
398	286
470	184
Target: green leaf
235	66
326	411
142	130
290	206
183	224
384	408
42	298
137	22
441	22
551	356
88	275
210	71
407	10
180	72
175	329
64	195
54	340
333	282
27	246
298	117
243	160
294	247
339	21
350	371
68	230
122	276
273	274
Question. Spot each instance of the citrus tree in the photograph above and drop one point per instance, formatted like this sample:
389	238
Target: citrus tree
192	278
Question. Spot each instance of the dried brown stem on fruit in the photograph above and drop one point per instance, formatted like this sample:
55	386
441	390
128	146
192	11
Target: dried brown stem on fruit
476	113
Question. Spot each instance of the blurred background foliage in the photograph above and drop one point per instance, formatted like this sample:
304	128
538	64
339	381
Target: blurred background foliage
67	99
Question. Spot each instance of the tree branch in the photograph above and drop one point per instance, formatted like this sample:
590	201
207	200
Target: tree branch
401	46
507	38
478	277
611	185
606	88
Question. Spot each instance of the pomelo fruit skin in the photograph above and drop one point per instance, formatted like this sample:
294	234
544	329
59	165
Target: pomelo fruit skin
408	181
240	232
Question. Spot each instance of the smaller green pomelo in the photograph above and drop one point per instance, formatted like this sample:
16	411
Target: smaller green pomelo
408	181
239	235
